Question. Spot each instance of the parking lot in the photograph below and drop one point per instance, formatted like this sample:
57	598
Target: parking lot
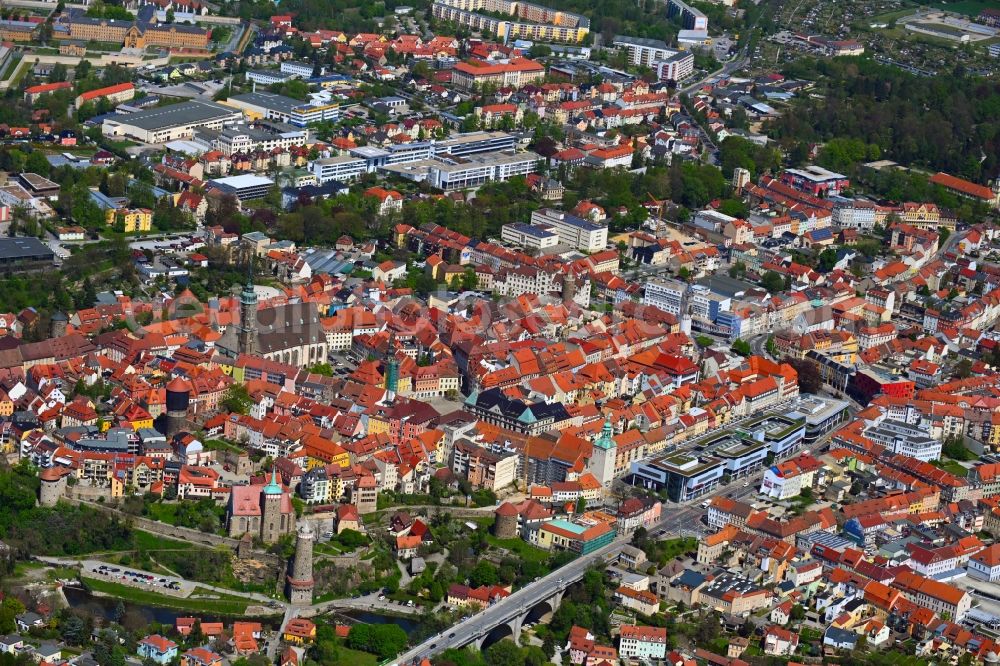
141	579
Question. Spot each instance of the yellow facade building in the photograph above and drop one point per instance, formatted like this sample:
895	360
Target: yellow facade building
130	220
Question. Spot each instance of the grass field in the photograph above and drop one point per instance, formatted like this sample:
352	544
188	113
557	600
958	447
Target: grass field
225	605
355	657
149	541
953	467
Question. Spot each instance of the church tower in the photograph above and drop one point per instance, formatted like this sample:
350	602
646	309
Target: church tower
300	582
248	316
271	527
602	460
391	367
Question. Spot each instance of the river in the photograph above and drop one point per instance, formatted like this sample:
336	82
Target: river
104	607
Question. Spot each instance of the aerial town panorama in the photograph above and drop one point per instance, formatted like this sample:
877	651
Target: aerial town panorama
499	333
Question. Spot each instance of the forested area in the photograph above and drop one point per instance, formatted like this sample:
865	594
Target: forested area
60	530
351	16
944	123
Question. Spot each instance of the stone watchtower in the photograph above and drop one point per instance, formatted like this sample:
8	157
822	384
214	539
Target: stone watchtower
178	396
58	324
270	519
505	524
54	481
300	582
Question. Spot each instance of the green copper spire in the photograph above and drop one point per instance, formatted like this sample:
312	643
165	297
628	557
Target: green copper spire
605	441
273	487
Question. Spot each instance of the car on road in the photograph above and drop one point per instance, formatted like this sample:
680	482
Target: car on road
451	635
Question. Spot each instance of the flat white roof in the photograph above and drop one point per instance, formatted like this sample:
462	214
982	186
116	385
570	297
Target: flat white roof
245	180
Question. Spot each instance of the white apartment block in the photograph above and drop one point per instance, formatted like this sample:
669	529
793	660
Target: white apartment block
303	69
266	77
667	295
573	231
529	236
643	51
341	167
450	173
677	67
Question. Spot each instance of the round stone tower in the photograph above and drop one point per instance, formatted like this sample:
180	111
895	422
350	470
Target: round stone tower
58	324
178	398
505	522
53	485
300	582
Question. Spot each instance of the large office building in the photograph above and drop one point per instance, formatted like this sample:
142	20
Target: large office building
741	456
245	139
246	187
77	26
909	440
573	231
684	476
782	434
667	295
821	414
169	123
272	106
513	74
529	236
459	145
339	167
470	143
450	173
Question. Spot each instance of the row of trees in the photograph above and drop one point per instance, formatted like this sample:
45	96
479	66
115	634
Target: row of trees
945	123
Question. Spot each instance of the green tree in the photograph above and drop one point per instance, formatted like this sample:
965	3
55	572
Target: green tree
771	346
733	208
827	260
772	281
237	399
504	653
36	163
741	347
484	573
798	613
72	629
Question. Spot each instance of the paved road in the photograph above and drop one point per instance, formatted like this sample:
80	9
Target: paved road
483	622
